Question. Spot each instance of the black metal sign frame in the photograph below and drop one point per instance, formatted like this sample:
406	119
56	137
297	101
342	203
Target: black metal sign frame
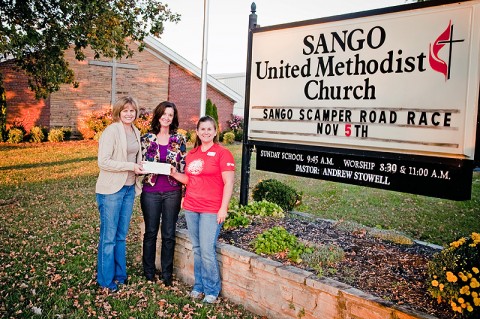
449	178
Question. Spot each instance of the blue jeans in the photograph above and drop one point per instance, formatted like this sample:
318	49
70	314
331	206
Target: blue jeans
115	213
203	230
156	206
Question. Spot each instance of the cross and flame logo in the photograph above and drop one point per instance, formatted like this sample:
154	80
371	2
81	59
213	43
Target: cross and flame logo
446	38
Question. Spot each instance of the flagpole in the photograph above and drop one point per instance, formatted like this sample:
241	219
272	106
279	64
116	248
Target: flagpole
203	91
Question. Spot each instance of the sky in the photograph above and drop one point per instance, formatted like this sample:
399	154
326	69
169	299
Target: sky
228	25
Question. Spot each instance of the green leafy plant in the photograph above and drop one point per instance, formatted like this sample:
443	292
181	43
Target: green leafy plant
324	258
236	219
264	208
56	135
278	240
239	135
454	275
38	134
228	138
277	192
15	135
242	216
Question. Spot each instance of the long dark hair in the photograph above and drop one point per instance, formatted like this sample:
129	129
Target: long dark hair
206	118
157	114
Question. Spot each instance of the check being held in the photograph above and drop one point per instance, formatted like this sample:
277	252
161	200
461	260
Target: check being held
156	168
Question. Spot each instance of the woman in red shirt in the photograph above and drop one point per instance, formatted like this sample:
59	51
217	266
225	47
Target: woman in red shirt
209	176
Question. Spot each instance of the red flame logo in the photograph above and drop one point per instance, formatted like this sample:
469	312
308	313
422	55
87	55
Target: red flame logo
435	62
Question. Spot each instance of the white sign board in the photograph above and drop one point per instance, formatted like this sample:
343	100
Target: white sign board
404	82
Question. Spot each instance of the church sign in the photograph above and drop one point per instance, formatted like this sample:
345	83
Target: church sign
385	98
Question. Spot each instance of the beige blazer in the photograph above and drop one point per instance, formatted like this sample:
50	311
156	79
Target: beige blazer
112	160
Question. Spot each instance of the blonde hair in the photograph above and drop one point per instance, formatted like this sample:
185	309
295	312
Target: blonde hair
119	106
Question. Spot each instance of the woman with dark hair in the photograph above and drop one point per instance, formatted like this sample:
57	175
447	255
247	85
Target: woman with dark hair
209	176
119	162
161	194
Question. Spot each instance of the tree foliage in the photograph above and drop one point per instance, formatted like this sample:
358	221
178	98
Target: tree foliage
211	109
35	33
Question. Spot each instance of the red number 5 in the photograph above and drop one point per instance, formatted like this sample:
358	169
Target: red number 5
348	130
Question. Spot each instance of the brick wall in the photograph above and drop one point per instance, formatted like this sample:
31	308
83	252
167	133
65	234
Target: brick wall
269	288
22	106
153	80
148	83
185	91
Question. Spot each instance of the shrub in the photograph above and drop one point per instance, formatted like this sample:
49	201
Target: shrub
86	132
454	275
67	132
228	138
96	122
56	135
15	135
143	122
236	126
324	258
236	123
191	136
239	135
264	209
182	131
38	134
277	192
278	240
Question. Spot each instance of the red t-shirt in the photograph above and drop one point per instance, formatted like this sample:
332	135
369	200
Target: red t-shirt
205	184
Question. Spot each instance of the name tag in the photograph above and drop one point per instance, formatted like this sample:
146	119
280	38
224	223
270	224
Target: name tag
211	153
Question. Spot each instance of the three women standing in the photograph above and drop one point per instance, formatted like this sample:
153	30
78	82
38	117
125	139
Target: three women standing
209	177
208	171
119	161
161	196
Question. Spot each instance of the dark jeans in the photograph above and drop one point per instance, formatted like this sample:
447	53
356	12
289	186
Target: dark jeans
155	206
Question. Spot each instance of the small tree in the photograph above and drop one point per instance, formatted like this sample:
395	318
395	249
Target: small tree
211	110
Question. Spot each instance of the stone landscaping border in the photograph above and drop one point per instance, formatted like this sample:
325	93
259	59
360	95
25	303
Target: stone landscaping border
269	288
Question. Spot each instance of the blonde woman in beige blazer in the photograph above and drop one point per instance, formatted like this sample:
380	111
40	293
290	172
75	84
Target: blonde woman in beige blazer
119	160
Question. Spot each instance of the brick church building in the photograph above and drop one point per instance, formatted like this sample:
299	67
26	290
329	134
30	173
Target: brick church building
154	75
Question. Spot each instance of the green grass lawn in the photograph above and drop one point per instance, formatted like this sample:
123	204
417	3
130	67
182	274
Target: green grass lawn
438	221
49	233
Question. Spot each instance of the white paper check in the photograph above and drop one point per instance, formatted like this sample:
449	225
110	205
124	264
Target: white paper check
156	168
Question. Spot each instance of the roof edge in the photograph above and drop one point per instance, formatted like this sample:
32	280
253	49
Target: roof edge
154	44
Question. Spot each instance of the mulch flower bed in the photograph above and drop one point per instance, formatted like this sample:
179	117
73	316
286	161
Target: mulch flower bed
394	272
